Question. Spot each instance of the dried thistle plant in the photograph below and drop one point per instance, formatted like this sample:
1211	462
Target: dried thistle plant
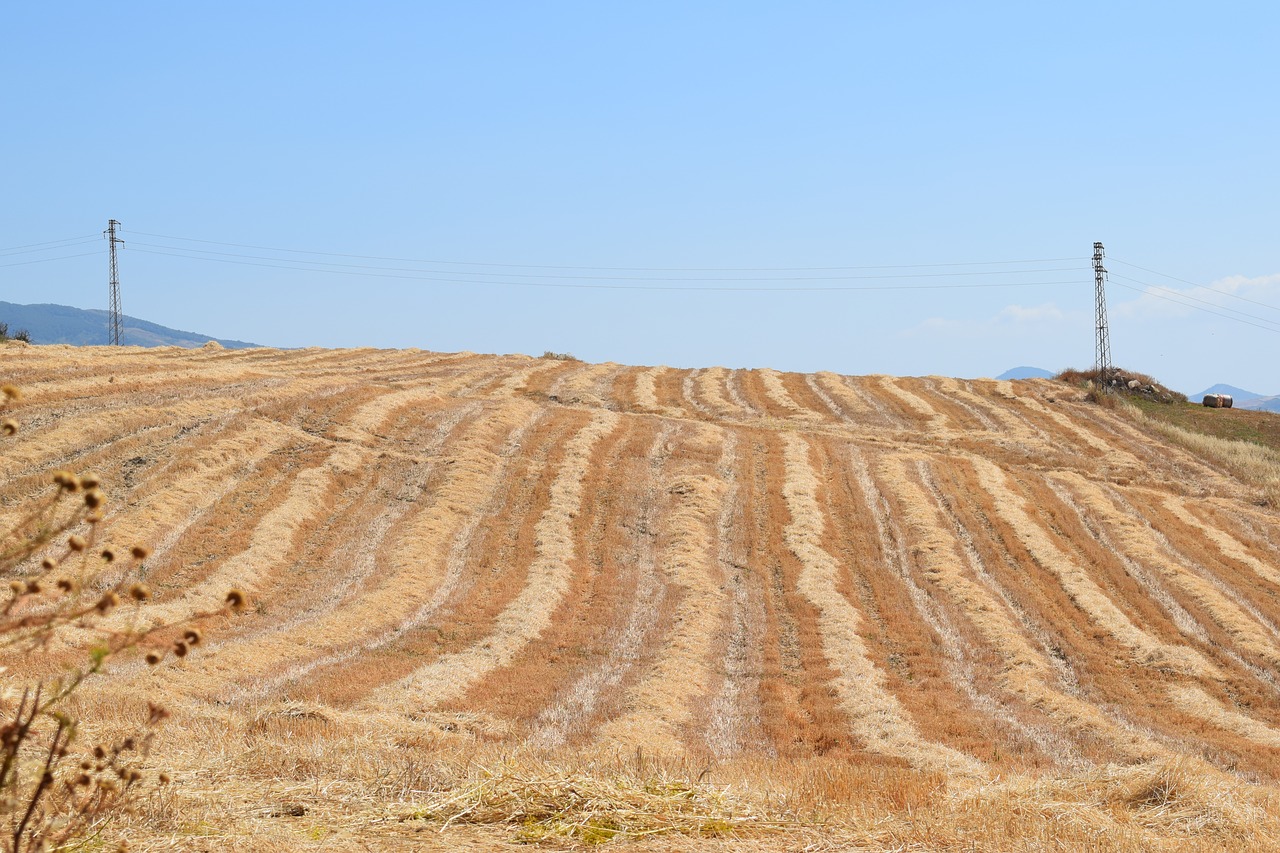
56	573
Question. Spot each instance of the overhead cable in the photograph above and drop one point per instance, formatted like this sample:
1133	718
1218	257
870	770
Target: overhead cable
571	285
606	269
1205	310
47	260
199	253
1194	284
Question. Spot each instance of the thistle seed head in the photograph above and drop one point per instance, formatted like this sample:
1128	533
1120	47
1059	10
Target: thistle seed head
140	592
9	426
48	564
154	658
192	636
77	543
89	481
107	602
93	498
10	392
109	554
236	600
140	552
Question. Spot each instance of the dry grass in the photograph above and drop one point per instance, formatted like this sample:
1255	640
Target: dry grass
1253	463
830	577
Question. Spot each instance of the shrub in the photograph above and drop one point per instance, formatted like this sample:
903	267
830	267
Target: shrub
55	568
20	335
561	356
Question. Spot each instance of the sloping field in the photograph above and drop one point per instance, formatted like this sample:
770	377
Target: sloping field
837	610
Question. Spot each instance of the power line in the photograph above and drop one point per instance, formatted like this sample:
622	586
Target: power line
51	242
1181	295
48	247
47	260
693	288
1206	310
192	253
606	269
1194	284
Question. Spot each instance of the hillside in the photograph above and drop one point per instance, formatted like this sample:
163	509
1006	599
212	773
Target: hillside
902	612
62	324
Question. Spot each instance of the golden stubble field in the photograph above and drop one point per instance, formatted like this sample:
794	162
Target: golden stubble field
498	600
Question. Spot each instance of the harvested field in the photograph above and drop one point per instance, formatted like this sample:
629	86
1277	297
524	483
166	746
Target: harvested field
498	600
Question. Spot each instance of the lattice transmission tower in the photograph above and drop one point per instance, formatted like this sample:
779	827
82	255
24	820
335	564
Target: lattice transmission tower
1102	359
115	320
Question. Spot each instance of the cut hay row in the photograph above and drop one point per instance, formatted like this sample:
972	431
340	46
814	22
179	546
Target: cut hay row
530	613
1138	543
689	393
419	568
712	385
1025	671
835	409
733	388
735	711
876	715
388	587
1195	702
577	704
1092	601
776	391
180	492
645	391
580	387
915	408
1226	544
959	394
661	706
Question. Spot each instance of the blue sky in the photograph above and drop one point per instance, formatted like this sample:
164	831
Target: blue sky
738	136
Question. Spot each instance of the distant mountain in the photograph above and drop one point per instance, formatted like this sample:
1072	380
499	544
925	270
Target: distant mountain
1260	404
1239	395
62	324
1027	373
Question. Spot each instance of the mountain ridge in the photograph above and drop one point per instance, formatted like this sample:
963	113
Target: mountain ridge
50	323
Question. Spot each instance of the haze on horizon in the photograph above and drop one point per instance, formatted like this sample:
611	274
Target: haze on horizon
523	144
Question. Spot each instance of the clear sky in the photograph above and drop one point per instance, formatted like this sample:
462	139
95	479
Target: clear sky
528	141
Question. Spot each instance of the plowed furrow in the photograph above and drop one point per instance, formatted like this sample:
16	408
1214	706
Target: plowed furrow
877	716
